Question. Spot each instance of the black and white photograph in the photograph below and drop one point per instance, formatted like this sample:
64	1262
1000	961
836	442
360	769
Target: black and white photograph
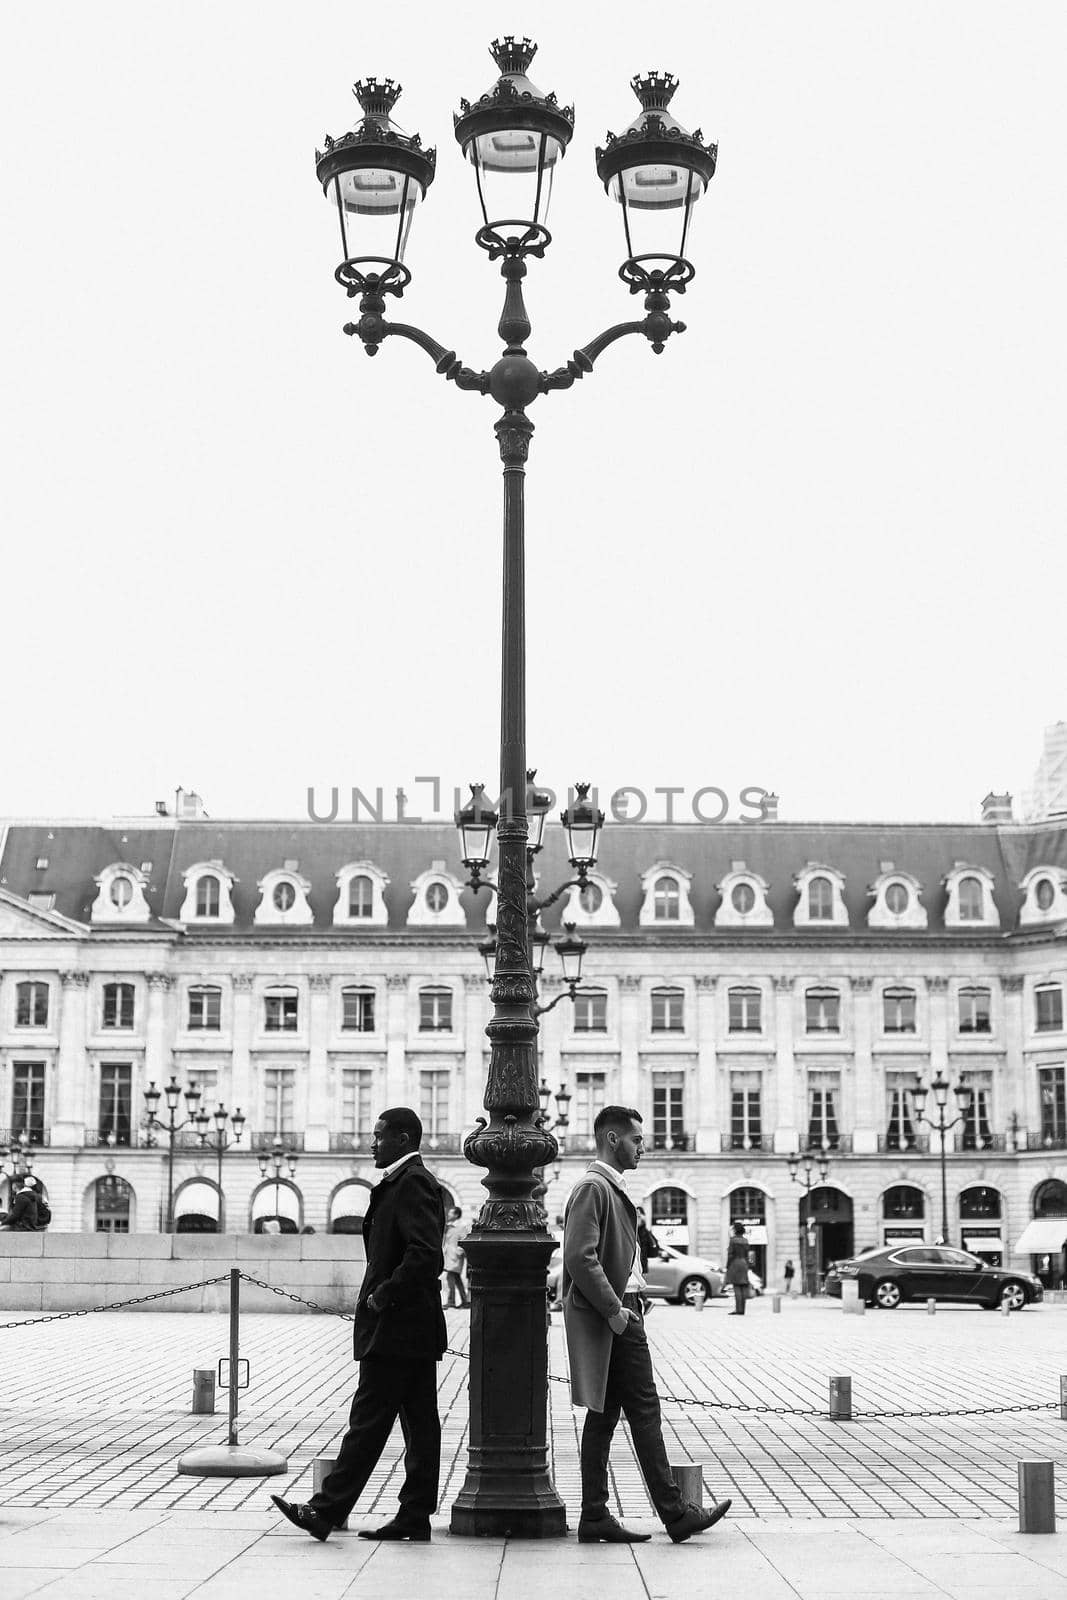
535	561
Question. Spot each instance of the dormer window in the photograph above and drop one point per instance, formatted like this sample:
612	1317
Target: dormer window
897	903
593	906
970	901
590	898
744	899
820	898
360	899
120	895
207	896
1044	896
208	893
437	903
666	896
283	899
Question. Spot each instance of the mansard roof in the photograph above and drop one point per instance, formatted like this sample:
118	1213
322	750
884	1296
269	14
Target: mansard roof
77	852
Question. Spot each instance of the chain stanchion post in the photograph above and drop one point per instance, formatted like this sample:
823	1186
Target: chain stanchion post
1037	1497
229	1460
1063	1397
840	1399
235	1350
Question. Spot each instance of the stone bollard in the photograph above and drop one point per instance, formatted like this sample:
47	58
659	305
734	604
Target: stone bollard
699	1297
1005	1308
776	1302
931	1307
851	1300
1037	1497
689	1476
840	1399
1063	1398
321	1467
203	1391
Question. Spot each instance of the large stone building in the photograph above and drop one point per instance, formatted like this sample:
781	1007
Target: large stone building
753	988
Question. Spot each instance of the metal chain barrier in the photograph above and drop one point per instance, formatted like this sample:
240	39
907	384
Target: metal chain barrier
667	1399
114	1305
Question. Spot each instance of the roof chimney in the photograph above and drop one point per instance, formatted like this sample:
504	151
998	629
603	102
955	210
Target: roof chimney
996	808
769	808
188	805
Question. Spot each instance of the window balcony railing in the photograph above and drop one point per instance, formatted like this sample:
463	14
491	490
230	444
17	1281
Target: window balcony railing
35	1137
442	1143
1047	1141
672	1143
983	1141
358	1143
915	1144
841	1142
741	1141
115	1138
267	1141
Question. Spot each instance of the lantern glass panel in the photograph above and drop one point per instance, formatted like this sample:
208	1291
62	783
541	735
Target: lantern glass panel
375	207
657	203
514	168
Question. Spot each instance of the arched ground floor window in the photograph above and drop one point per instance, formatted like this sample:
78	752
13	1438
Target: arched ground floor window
112	1205
981	1223
667	1209
903	1214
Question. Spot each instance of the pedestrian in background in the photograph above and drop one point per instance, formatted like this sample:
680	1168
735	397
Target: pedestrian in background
737	1267
789	1270
24	1214
398	1340
454	1256
611	1367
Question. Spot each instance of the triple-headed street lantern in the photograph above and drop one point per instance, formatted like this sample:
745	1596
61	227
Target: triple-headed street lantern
514	137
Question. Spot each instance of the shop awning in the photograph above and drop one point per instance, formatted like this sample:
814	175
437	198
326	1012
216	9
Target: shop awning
1043	1236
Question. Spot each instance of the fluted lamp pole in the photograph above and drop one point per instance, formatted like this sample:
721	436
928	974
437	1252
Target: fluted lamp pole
515	137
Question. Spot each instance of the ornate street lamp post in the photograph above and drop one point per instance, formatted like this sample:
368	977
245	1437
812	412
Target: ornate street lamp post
20	1154
220	1141
941	1087
515	138
274	1160
172	1093
809	1160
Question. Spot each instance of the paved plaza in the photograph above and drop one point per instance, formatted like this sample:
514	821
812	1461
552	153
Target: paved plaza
95	1412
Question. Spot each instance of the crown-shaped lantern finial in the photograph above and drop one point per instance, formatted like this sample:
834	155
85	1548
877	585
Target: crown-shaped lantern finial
654	90
513	55
376	99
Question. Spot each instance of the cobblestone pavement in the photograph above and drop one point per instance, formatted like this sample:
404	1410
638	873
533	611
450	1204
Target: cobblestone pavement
95	1410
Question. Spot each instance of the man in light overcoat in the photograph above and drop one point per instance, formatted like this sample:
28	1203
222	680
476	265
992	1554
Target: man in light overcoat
611	1368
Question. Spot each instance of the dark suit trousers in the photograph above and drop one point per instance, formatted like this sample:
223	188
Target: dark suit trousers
388	1390
631	1390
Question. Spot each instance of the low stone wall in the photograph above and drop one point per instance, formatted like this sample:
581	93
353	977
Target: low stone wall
74	1271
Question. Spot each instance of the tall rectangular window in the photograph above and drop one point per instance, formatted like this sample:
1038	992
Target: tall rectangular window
206	1079
745	1010
433	1102
435	1011
31	1005
975	1010
591	1011
205	1010
900	1127
116	1095
1053	1095
281	1012
976	1133
1048	1009
277	1101
898	1011
357	1115
668	1111
357	1010
823	1131
822	1011
589	1098
27	1100
668	1011
746	1125
118	1005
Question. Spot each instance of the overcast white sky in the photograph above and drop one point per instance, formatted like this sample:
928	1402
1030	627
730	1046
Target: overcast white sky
817	545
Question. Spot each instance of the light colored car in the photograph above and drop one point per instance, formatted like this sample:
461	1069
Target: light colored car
672	1275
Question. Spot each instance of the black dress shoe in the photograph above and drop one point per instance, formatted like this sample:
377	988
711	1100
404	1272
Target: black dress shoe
304	1518
417	1532
605	1530
694	1519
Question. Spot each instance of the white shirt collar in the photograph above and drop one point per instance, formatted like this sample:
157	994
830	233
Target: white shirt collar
617	1178
394	1166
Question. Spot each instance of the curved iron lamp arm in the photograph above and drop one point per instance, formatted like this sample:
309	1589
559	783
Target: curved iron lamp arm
564	994
550	899
657	327
372	328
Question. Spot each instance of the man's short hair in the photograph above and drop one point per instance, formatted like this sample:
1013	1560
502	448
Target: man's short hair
401	1119
617	1117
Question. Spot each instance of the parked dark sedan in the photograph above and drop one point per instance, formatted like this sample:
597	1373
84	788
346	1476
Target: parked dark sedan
937	1272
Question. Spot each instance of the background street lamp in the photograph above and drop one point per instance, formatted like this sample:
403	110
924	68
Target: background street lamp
219	1141
965	1100
557	1126
515	138
20	1154
802	1169
172	1093
275	1159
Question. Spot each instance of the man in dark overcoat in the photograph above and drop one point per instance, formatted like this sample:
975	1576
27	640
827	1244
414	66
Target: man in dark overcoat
611	1368
399	1339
